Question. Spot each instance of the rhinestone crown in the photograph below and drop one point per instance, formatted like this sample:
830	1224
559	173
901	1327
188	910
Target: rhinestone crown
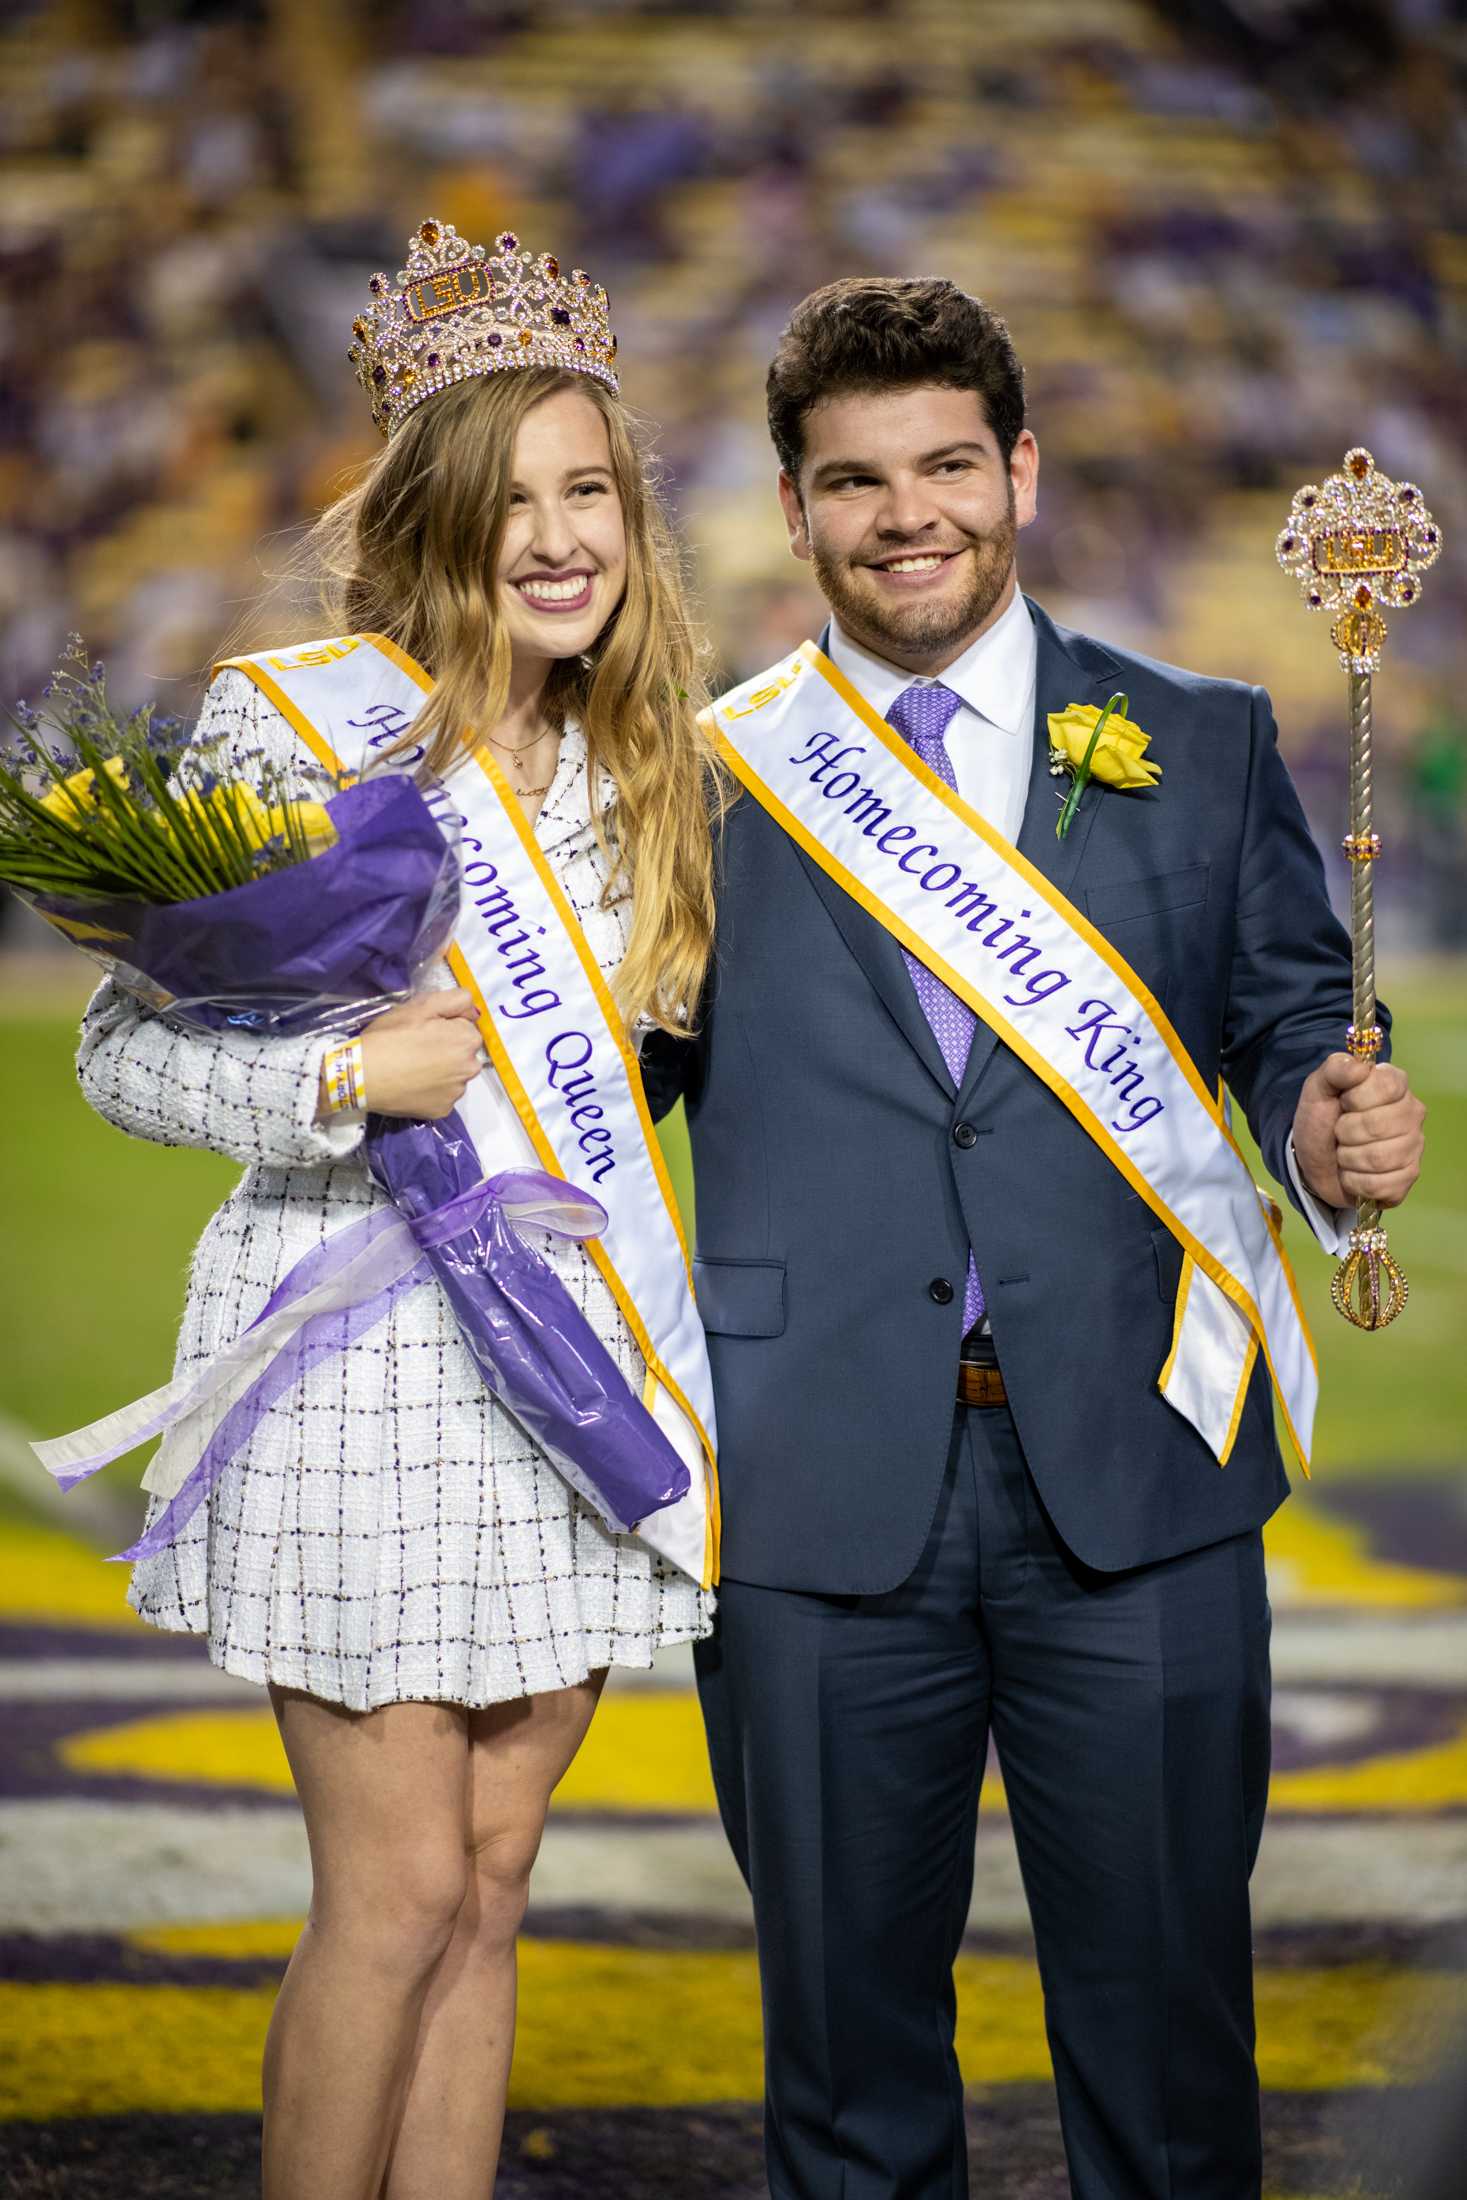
457	310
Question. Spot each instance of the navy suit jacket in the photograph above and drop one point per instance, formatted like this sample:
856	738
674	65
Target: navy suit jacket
838	1191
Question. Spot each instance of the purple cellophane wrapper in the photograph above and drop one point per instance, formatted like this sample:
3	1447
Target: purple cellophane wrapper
323	943
535	1348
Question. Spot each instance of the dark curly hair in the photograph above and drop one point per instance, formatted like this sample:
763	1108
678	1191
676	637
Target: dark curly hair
876	332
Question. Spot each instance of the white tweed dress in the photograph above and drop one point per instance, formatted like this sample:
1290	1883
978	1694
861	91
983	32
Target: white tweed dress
389	1532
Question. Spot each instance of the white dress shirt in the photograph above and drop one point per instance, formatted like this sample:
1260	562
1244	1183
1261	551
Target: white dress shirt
991	739
991	745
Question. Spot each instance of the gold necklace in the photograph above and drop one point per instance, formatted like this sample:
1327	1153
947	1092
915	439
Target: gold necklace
546	733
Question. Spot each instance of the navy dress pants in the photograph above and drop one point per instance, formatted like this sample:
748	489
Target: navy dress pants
1130	1713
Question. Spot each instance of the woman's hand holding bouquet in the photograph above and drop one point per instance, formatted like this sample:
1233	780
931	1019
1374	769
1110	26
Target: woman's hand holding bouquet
420	1058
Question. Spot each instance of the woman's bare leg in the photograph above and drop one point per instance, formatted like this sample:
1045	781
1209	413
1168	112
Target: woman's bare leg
385	1796
447	2144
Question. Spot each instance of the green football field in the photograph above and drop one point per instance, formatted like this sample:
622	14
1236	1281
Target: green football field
98	1229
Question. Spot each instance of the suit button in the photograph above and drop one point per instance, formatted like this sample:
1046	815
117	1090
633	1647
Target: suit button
965	1135
940	1291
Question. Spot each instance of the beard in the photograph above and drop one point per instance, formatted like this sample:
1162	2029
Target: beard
918	629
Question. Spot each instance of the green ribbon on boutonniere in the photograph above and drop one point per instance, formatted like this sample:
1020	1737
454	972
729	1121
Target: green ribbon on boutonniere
1097	744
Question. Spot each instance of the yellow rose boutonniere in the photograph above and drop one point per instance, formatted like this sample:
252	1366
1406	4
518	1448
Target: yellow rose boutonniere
1097	744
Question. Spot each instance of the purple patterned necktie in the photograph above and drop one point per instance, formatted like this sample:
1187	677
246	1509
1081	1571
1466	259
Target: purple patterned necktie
922	714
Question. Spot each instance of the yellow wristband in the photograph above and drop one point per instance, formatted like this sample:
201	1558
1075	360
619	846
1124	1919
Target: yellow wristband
344	1075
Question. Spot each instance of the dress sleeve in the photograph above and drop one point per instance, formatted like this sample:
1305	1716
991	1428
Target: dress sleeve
251	1098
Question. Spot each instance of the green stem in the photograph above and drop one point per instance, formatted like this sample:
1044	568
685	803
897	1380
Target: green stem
114	819
1118	702
201	837
49	838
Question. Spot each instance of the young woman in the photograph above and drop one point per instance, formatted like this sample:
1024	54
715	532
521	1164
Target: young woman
432	1609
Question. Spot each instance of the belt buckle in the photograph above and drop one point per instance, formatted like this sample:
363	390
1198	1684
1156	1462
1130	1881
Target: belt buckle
980	1386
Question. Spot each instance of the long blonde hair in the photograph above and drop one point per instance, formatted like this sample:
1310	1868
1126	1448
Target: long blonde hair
411	551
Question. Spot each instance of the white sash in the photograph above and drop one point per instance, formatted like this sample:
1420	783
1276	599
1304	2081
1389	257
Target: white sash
554	1036
956	894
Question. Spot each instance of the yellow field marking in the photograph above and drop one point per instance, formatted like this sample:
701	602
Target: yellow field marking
48	1578
1432	1778
220	1748
114	2050
645	1751
1407	1779
232	1940
605	2027
1363	2024
1314	1559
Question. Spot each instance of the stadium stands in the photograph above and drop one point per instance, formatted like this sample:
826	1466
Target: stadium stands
1228	240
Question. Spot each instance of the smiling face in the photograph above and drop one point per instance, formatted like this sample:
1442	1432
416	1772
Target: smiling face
907	512
563	561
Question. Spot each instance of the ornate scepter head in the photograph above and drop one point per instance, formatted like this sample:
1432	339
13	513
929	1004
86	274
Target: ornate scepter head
1355	543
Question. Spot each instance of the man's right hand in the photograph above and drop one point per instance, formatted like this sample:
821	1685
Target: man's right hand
1358	1132
420	1058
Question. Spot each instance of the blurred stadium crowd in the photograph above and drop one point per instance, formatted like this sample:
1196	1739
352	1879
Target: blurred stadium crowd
1227	234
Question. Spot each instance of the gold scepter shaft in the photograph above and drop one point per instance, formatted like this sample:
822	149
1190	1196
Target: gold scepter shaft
1354	542
1356	1286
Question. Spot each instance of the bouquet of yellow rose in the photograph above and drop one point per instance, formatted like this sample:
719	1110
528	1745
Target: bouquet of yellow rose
217	900
98	808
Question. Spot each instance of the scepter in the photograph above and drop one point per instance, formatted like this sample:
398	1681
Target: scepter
1355	542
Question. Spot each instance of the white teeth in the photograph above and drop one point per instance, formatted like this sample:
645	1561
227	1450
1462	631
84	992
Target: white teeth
552	591
914	565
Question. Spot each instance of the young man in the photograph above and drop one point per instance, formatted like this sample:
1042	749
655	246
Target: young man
991	1304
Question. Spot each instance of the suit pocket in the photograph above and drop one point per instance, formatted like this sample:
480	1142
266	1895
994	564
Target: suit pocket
1148	897
740	1298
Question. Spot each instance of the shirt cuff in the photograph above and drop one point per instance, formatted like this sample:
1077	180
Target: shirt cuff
1331	1225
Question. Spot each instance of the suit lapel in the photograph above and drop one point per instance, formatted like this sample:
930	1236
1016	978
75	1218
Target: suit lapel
1069	669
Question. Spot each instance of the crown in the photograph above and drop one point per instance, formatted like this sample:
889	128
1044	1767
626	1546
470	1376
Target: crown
457	311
